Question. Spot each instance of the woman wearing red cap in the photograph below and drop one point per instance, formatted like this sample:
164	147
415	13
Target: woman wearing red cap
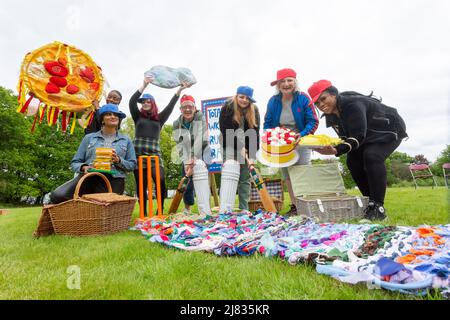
371	132
191	136
292	109
239	123
148	124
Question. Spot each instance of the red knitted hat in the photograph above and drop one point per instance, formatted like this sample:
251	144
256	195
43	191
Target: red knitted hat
185	98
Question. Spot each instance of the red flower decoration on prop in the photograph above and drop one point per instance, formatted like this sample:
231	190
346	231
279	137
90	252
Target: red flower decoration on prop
52	88
72	89
59	81
56	69
87	74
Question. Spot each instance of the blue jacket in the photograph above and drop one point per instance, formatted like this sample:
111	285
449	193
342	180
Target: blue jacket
122	144
304	114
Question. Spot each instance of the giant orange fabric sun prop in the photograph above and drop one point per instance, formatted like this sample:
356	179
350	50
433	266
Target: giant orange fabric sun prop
64	80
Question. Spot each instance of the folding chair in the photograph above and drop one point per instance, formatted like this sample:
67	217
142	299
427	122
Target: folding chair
421	171
446	166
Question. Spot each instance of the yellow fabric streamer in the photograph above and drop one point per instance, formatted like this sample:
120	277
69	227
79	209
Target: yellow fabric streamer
69	61
72	128
58	52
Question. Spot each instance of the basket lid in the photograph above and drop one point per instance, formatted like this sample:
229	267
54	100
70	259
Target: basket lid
316	179
106	197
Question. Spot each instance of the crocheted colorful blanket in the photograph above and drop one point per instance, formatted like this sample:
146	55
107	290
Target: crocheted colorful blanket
406	259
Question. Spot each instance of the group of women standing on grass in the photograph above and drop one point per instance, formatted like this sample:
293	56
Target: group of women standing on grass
371	131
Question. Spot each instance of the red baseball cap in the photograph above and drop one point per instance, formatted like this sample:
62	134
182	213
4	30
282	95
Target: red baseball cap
317	88
284	73
185	98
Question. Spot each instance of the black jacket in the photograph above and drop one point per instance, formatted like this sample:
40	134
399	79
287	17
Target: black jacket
226	122
95	125
364	120
148	128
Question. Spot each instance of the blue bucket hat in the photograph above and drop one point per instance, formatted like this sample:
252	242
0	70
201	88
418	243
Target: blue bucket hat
145	96
246	91
111	108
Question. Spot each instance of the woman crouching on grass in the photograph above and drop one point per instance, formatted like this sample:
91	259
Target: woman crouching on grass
123	158
371	132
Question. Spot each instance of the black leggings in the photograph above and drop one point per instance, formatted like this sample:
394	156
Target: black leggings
93	184
367	167
163	186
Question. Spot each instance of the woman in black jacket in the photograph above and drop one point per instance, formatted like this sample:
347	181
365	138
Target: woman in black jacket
371	132
113	97
239	122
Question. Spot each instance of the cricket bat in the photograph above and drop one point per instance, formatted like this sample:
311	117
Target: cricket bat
179	194
261	188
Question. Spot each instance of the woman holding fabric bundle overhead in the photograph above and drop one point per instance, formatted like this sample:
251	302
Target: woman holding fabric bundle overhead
371	132
290	108
239	126
148	123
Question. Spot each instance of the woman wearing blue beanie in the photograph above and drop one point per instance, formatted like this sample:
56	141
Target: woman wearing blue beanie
239	123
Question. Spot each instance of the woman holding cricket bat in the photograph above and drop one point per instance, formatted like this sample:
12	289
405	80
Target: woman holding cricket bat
120	150
191	136
239	126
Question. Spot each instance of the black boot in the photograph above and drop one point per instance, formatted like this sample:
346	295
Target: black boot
369	211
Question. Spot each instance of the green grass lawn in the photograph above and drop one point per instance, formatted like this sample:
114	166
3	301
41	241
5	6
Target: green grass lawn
126	266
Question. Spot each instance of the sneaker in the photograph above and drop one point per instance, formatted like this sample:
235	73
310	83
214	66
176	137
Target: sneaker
186	211
292	211
381	213
369	211
375	211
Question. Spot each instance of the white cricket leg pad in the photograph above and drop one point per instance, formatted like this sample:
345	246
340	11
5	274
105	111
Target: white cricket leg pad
201	187
228	185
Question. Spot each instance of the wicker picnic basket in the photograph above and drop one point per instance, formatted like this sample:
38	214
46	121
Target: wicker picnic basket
92	214
321	194
275	189
333	207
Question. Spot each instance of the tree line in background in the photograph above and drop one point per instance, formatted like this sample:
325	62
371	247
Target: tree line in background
33	164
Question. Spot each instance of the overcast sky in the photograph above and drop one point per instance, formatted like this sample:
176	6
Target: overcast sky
398	49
